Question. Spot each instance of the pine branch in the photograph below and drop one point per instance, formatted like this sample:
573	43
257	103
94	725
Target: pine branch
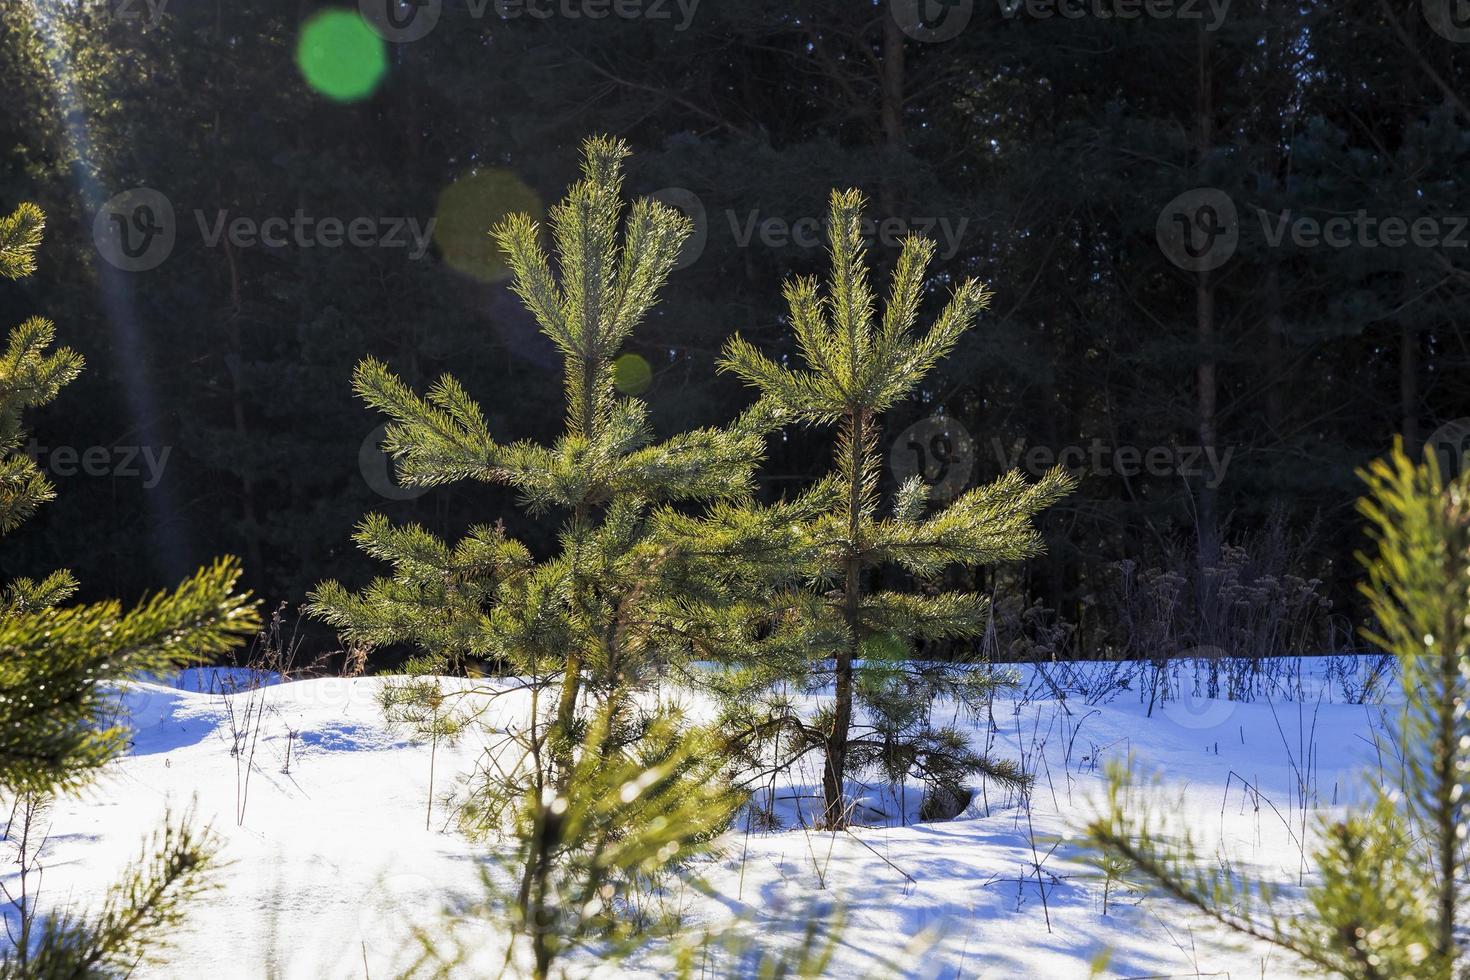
140	916
52	660
20	237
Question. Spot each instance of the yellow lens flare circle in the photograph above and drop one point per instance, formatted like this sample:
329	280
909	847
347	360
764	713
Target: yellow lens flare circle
468	209
632	374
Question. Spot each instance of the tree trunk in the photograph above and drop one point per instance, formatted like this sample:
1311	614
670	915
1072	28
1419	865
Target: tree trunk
835	814
890	112
1209	436
1275	355
893	82
235	361
1409	383
571	680
1206	383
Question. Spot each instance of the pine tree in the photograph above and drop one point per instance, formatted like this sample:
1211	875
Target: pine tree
856	368
597	614
55	659
1391	873
626	598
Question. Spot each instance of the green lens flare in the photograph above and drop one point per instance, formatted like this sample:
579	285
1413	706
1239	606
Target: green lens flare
340	56
632	375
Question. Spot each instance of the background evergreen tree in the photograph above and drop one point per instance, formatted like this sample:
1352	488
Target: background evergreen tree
55	659
857	366
1392	872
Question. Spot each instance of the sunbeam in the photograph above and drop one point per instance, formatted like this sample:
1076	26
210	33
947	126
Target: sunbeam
169	534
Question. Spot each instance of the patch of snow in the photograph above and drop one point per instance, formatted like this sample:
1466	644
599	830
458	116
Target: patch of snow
332	867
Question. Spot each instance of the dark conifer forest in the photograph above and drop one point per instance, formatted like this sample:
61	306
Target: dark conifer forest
1203	409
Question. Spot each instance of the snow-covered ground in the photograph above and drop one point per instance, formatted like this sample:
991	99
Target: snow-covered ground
331	864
